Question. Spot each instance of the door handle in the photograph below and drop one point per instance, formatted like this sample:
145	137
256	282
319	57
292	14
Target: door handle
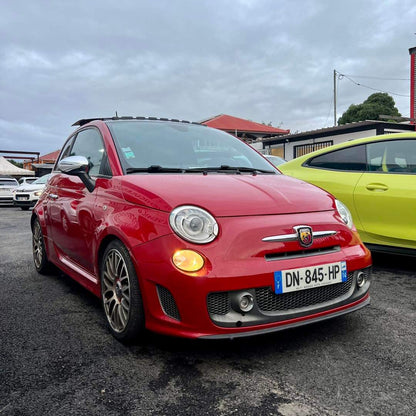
53	196
378	187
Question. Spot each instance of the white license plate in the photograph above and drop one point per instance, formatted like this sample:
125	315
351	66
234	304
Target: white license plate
309	277
22	198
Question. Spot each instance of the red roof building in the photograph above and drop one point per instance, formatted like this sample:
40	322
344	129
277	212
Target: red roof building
50	157
245	129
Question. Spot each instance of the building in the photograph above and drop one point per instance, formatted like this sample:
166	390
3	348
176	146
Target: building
44	164
412	52
249	131
294	145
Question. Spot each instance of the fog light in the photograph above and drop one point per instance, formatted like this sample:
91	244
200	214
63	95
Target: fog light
246	302
188	260
361	279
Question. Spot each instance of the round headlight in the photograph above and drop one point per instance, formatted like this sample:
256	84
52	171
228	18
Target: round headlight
193	224
344	213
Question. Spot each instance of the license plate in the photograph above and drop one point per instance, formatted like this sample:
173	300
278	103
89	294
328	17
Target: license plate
309	277
22	198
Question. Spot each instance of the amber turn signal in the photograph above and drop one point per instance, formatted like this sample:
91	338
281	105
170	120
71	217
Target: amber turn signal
188	260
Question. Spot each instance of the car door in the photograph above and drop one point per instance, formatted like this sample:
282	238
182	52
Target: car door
385	195
338	172
72	206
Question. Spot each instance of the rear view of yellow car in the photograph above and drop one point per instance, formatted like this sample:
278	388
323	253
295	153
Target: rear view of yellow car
376	178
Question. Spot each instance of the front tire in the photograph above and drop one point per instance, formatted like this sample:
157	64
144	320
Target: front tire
120	293
40	258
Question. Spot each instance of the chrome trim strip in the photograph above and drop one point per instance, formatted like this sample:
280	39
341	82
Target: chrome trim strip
294	237
78	269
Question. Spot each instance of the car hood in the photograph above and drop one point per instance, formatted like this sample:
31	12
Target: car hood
29	188
225	194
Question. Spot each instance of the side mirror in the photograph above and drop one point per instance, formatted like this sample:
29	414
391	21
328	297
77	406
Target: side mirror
77	166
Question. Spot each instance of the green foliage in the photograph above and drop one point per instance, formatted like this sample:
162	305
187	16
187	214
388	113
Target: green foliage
375	105
18	164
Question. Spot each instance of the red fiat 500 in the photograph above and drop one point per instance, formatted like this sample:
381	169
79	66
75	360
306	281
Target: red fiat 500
186	230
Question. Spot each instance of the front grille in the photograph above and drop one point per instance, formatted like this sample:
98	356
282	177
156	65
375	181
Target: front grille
219	303
168	303
302	253
268	301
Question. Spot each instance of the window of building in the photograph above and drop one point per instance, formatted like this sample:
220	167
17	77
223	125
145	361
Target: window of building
304	149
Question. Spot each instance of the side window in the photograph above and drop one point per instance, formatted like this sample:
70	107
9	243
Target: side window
392	156
349	158
89	144
67	148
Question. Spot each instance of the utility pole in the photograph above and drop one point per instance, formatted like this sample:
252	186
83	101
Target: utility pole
335	98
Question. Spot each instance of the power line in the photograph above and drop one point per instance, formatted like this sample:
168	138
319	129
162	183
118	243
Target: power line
369	77
340	76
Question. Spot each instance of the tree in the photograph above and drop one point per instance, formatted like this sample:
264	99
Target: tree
18	164
375	105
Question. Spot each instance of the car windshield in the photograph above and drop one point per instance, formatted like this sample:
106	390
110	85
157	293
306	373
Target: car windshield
8	182
42	180
157	146
276	160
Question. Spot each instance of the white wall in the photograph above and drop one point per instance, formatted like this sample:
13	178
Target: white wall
339	138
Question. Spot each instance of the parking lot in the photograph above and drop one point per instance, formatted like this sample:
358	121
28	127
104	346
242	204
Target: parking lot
57	357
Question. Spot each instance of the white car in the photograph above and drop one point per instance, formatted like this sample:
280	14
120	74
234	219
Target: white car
27	180
26	196
7	186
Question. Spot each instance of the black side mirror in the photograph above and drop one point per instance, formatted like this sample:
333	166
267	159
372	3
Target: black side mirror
77	166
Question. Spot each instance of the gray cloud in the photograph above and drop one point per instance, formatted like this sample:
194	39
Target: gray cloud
263	60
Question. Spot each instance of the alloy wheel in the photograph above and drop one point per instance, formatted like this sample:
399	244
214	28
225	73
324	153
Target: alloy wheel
116	290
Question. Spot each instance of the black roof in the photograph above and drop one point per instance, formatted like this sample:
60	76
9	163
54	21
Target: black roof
87	120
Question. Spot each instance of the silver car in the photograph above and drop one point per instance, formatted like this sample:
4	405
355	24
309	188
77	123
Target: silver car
7	186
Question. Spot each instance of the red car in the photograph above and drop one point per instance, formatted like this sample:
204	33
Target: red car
186	230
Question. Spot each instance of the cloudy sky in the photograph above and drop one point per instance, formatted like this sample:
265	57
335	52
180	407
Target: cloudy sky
264	60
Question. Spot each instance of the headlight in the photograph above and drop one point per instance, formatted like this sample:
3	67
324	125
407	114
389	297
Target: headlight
344	213
38	193
193	224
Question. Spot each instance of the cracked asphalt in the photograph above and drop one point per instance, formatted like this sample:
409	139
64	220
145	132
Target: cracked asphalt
57	357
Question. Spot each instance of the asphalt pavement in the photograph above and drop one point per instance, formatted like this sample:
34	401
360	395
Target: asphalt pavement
57	357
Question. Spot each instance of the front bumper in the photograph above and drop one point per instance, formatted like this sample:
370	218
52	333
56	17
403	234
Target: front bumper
200	305
24	201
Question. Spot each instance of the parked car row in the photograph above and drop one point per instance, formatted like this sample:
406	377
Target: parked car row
26	195
23	193
187	231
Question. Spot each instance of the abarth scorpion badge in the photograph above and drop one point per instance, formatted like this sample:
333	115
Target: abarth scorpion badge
305	235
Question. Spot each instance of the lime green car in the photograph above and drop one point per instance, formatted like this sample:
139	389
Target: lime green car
376	178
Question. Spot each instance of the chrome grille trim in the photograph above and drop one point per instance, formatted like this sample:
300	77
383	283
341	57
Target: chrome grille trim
294	237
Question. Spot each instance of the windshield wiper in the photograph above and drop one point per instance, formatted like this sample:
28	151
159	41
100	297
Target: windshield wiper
227	168
222	168
155	169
